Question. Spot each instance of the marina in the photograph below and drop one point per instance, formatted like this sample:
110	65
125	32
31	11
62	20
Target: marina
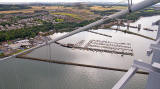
102	46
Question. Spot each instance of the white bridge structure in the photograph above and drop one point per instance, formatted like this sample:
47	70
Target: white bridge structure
153	69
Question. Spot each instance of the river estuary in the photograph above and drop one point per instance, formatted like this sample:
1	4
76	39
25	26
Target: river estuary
29	74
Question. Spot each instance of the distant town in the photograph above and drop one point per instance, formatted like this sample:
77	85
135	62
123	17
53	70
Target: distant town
23	27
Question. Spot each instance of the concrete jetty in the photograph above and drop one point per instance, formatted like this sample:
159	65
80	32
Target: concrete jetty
129	32
78	64
128	26
100	34
148	29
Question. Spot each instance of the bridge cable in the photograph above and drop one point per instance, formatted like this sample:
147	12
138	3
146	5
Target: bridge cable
16	75
49	51
1	80
129	5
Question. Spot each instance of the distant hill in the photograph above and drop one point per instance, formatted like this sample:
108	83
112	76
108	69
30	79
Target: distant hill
12	7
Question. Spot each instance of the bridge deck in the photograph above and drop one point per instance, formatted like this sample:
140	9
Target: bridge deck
154	79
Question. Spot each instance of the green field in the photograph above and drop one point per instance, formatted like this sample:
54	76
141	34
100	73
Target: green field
67	14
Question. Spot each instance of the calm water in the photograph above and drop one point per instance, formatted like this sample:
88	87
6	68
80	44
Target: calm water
26	74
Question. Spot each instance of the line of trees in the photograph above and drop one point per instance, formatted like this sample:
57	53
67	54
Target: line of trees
107	12
69	26
24	32
144	13
33	31
13	7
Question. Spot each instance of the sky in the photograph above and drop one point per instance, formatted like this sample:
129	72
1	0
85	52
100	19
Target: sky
11	1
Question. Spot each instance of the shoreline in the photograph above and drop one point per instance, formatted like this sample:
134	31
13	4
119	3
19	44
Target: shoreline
48	34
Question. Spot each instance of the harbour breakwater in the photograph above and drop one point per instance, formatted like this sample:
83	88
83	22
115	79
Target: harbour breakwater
77	64
129	32
100	34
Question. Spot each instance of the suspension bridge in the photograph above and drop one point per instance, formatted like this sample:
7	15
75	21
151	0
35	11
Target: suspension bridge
152	68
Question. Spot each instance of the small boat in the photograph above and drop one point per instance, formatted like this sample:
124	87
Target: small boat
148	29
149	52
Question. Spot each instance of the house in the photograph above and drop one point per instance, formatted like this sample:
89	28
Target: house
15	46
24	43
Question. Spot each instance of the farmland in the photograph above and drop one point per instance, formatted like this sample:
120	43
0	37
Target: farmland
35	8
30	21
102	8
67	14
32	9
